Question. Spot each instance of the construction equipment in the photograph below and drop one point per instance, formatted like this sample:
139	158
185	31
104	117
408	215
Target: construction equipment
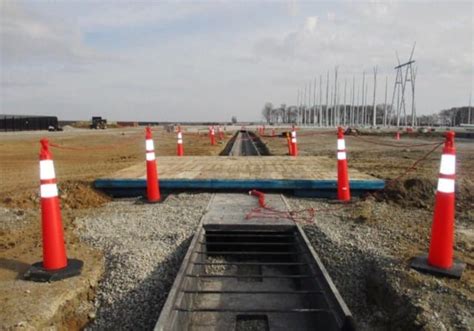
98	123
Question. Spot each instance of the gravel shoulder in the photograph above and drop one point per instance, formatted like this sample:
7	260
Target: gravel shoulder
143	246
369	263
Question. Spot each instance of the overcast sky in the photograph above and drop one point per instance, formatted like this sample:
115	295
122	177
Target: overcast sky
209	60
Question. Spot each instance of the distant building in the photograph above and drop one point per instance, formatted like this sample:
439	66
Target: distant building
27	122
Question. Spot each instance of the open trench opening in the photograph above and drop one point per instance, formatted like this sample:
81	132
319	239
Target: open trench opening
245	143
242	279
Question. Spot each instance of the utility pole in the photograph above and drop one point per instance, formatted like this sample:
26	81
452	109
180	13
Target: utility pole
334	110
385	103
327	101
351	115
314	103
366	111
304	105
344	109
300	110
297	105
320	100
374	118
469	121
309	101
362	100
308	112
331	116
357	110
413	107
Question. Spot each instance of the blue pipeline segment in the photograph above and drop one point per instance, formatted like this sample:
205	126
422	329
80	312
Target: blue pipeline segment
306	186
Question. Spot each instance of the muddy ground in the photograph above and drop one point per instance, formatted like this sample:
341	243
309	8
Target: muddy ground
83	156
383	231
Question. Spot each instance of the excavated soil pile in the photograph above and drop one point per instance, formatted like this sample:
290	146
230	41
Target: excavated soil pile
413	192
72	194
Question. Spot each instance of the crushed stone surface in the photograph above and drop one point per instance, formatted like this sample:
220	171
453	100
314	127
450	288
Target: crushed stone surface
366	247
143	245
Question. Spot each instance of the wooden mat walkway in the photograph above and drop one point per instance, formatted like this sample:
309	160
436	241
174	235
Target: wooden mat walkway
248	167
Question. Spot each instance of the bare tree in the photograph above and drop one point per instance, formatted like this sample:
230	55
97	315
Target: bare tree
267	111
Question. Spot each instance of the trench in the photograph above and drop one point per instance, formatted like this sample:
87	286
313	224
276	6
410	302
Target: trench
245	143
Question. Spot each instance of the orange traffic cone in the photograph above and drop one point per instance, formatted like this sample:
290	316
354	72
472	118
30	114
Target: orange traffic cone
288	140
213	136
152	185
294	144
180	149
440	257
343	189
55	265
397	135
273	132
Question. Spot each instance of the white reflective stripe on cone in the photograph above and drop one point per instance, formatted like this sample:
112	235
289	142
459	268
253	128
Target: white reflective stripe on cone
180	135
47	169
293	140
149	145
341	155
293	133
446	185
341	144
448	164
150	156
180	141
49	190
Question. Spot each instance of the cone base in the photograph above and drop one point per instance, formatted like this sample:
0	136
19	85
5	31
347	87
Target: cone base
145	201
37	273
420	263
340	201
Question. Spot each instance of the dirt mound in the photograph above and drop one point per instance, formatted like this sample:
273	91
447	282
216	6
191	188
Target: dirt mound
81	195
73	195
410	192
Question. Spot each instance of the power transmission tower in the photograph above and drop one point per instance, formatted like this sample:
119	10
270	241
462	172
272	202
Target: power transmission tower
401	81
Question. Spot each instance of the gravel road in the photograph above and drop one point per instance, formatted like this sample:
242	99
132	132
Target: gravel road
144	245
